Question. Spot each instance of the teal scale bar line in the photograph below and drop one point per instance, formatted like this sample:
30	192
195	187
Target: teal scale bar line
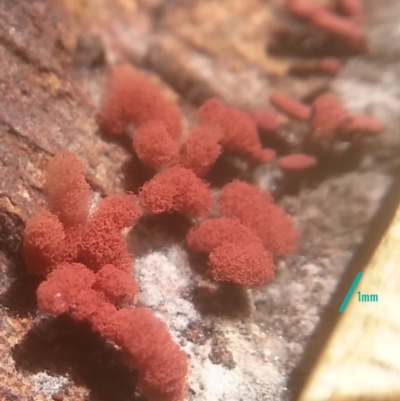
350	292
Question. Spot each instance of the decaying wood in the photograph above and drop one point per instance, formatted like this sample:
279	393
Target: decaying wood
53	69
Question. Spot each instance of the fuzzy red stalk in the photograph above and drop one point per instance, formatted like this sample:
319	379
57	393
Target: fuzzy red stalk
154	145
266	120
328	114
102	242
116	284
67	192
201	149
209	234
148	346
236	252
291	107
176	189
230	262
45	244
340	27
301	8
297	162
131	99
361	123
239	131
353	9
272	224
329	65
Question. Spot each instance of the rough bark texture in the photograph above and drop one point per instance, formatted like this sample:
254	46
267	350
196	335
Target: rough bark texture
243	344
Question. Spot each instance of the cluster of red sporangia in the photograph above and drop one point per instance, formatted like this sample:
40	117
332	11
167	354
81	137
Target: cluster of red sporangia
329	122
87	273
246	229
343	22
